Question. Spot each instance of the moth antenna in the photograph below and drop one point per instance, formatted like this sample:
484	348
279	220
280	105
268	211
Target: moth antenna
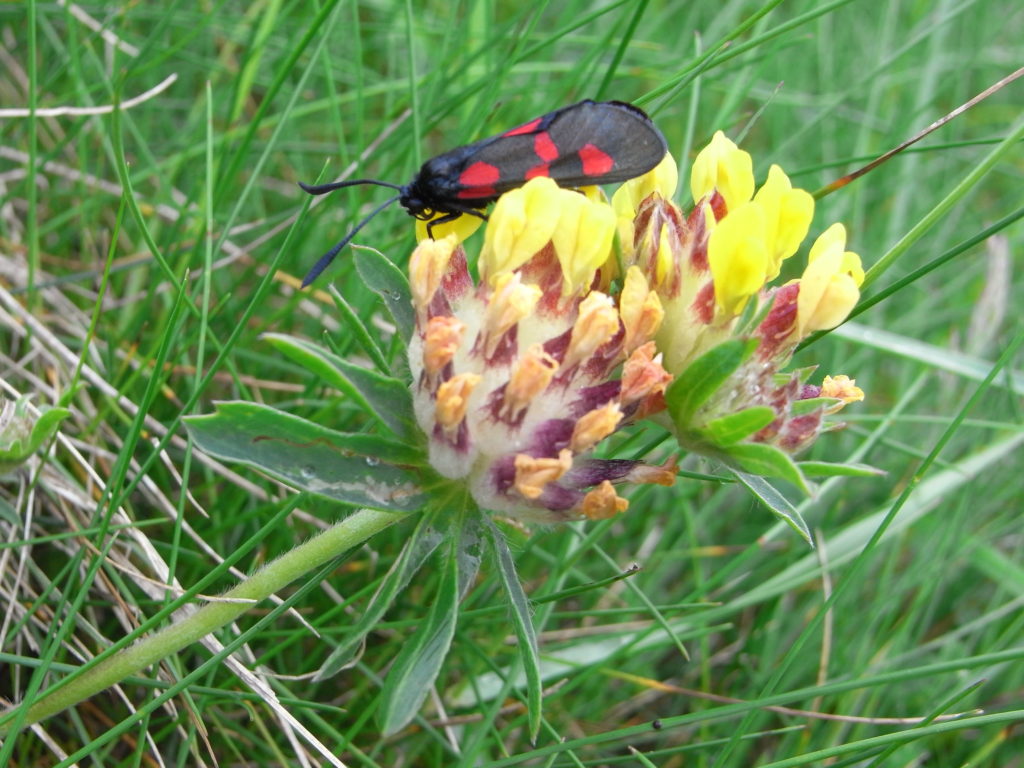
323	189
328	257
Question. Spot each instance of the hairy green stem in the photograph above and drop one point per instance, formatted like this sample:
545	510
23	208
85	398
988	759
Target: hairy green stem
336	540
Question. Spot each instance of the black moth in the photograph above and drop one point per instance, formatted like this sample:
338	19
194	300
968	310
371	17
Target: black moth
590	142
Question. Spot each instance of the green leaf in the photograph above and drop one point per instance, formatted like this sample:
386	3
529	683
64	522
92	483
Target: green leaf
470	550
46	426
703	377
417	549
420	660
765	460
768	495
522	622
390	283
349	468
265	423
811	404
736	426
829	469
23	433
387	398
802	374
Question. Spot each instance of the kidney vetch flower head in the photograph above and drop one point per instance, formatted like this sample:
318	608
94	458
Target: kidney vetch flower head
517	377
711	268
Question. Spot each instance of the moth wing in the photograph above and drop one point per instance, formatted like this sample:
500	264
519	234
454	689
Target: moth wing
589	142
585	143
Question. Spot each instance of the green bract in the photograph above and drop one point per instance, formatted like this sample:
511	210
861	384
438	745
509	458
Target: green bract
22	433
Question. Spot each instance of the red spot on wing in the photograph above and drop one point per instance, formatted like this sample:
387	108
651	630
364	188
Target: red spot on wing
545	147
544	169
595	162
476	193
525	128
479	174
478	181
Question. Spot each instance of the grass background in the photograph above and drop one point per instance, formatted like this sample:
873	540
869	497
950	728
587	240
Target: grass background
143	254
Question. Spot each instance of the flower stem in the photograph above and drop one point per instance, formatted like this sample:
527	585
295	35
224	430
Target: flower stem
339	538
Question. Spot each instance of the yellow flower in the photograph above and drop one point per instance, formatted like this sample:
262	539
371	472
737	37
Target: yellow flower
582	239
523	222
427	266
662	180
640	309
603	503
660	247
519	378
579	227
453	399
643	377
842	388
830	286
596	324
593	194
510	303
723	167
739	257
788	214
441	341
531	375
595	426
533	474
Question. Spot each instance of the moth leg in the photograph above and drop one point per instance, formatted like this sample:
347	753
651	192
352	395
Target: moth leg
452	215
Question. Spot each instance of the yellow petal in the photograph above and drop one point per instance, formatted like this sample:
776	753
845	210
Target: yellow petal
643	374
724	167
830	286
663	179
738	257
522	223
594	194
824	302
441	342
640	309
595	325
427	266
843	388
531	375
532	474
582	239
511	301
788	215
832	239
603	503
594	426
852	266
453	399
